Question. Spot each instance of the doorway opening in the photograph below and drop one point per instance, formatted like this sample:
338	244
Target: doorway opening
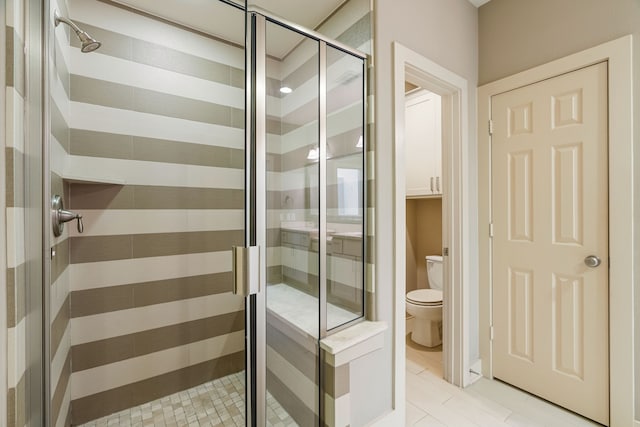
424	248
458	259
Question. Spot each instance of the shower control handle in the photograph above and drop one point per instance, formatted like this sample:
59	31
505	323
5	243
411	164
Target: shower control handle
59	216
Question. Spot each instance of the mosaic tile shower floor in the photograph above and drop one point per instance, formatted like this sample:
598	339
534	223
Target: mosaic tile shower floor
216	403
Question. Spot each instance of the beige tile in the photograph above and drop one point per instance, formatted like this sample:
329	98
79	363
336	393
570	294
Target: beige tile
113	44
100	248
474	412
99	196
100	144
59	127
422	393
60	390
138	401
413	414
429	421
59	326
157	150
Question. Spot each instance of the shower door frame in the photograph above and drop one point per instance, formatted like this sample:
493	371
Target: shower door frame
256	201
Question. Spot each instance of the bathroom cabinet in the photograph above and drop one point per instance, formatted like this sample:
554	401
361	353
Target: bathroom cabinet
423	144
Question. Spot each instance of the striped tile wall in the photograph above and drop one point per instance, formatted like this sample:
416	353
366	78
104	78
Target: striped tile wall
60	331
142	297
159	111
14	202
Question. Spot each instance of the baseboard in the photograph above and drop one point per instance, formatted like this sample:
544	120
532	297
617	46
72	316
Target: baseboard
475	371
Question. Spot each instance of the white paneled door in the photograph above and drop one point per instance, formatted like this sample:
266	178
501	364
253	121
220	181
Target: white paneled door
550	243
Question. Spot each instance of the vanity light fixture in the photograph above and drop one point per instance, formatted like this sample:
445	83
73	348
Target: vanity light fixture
286	90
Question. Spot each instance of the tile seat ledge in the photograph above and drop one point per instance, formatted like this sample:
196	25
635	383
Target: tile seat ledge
353	342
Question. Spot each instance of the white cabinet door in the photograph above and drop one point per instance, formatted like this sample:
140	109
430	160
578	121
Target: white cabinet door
423	142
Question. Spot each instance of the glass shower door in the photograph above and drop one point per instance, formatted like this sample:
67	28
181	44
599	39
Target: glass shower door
313	112
293	206
147	143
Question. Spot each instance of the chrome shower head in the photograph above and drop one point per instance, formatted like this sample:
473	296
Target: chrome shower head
88	43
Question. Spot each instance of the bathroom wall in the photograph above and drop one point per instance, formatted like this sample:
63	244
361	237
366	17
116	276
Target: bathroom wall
424	237
559	28
59	270
562	28
14	201
155	165
445	32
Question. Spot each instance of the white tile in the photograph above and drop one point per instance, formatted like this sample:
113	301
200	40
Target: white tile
484	403
123	322
297	382
137	172
126	122
429	421
477	405
424	394
108	222
413	367
518	420
15	237
113	69
14	116
474	412
92	275
95	380
413	414
157	32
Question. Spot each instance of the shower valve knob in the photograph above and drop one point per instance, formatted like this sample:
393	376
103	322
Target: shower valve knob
59	216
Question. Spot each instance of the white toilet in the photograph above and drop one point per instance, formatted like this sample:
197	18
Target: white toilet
425	305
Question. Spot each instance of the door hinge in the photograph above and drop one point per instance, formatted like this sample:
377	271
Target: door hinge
490	127
491	332
490	229
445	251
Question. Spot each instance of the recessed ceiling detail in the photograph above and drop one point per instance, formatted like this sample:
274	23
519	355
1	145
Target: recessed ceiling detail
478	3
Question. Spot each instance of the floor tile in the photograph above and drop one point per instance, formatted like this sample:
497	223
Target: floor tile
216	403
489	403
429	421
413	414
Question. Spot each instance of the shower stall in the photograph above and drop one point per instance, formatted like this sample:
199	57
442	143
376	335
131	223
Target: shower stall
209	159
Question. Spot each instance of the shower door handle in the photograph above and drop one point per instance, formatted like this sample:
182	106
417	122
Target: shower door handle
246	270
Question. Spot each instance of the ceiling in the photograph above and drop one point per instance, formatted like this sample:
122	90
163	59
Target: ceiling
228	24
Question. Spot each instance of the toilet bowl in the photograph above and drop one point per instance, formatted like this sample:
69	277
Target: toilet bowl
426	306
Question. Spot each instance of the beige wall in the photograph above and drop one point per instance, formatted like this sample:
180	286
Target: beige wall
515	35
444	31
424	237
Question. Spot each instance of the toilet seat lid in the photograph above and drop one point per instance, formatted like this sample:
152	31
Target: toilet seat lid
425	297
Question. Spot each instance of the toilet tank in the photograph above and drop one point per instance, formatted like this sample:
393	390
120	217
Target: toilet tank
434	271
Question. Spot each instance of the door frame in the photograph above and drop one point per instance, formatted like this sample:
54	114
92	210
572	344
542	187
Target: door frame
618	54
457	208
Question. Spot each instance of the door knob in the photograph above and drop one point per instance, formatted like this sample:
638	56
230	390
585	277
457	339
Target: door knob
592	261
